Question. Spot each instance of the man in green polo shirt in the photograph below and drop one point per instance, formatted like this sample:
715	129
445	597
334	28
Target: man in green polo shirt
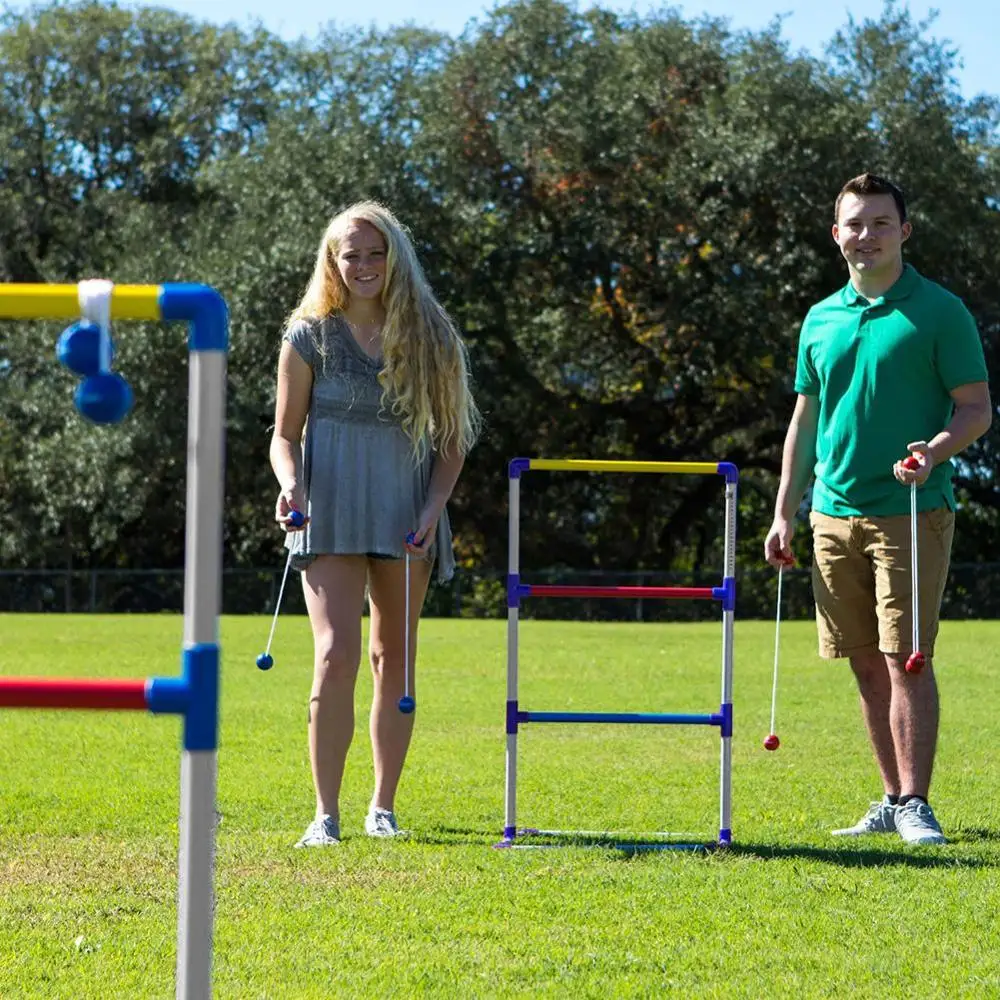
890	366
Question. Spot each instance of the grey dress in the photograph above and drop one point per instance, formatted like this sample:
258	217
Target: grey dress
364	489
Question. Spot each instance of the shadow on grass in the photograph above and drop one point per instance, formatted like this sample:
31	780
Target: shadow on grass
855	856
536	839
866	857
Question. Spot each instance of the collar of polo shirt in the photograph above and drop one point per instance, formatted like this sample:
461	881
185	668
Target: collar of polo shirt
904	286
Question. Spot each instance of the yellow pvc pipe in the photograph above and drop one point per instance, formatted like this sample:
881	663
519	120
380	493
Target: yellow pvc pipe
63	302
598	465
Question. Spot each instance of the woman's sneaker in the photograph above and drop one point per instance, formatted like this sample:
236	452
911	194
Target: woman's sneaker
880	818
381	823
917	824
320	833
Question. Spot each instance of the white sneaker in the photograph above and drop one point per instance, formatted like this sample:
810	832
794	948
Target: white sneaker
880	818
917	824
381	823
320	833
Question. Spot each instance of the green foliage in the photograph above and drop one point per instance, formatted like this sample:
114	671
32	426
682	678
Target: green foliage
628	216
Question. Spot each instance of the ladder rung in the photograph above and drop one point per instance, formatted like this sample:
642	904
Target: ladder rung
556	590
651	718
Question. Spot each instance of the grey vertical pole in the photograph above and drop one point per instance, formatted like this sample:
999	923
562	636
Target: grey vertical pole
728	617
513	571
202	604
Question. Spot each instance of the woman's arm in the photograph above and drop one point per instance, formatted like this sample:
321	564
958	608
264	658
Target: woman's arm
295	380
444	475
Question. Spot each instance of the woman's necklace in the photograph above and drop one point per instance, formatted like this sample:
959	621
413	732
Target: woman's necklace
360	332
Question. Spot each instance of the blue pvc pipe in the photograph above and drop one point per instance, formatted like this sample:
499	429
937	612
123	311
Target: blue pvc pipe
204	308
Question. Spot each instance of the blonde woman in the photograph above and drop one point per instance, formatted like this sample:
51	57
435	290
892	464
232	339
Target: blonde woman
374	418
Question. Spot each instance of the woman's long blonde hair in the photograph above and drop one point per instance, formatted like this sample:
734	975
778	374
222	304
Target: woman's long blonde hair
425	378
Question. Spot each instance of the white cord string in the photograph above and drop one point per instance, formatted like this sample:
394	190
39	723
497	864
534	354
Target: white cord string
777	633
406	633
914	574
277	607
94	296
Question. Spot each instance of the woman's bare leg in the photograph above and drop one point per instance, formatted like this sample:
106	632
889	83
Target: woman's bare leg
391	729
334	589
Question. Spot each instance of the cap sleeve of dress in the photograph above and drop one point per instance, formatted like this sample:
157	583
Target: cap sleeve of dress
302	336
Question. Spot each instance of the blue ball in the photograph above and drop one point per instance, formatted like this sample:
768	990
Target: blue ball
104	398
79	349
296	519
265	661
407	704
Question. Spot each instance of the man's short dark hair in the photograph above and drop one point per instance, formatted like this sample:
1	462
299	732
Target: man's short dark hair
871	184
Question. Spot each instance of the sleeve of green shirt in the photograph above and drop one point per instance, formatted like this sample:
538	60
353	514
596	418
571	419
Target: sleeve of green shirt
806	379
959	348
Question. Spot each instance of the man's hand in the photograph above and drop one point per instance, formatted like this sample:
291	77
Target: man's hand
777	545
920	450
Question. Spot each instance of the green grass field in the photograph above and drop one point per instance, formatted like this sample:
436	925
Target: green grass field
88	826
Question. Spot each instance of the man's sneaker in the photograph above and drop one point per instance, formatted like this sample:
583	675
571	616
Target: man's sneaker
320	833
880	818
381	823
916	823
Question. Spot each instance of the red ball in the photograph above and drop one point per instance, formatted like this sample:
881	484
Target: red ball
915	663
772	742
912	463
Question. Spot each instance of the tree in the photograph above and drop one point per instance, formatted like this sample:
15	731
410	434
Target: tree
107	118
628	216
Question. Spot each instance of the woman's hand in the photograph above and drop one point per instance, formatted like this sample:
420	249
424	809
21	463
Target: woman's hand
290	500
419	542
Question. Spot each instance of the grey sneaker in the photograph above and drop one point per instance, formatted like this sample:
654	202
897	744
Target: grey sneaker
880	818
381	823
320	833
917	825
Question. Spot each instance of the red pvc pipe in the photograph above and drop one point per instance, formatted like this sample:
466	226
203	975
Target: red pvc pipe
58	692
692	593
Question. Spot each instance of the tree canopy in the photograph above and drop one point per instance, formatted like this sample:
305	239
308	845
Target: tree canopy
627	215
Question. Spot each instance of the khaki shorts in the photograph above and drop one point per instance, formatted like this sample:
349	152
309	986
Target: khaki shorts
862	584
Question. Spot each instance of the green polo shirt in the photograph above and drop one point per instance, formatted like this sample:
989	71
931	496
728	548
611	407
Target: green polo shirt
883	371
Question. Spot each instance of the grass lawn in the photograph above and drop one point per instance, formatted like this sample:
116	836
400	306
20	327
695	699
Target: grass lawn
88	826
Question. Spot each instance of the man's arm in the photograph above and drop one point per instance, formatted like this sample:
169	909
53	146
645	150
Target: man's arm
970	421
797	460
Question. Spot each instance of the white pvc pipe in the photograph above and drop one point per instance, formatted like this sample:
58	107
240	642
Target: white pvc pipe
202	605
513	568
197	855
728	619
205	483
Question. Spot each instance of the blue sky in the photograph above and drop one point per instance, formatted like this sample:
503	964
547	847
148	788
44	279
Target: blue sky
973	26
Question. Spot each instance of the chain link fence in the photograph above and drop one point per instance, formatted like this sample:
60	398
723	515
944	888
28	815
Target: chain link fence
973	592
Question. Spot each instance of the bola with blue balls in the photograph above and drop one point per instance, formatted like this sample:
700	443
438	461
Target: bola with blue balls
79	349
104	398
